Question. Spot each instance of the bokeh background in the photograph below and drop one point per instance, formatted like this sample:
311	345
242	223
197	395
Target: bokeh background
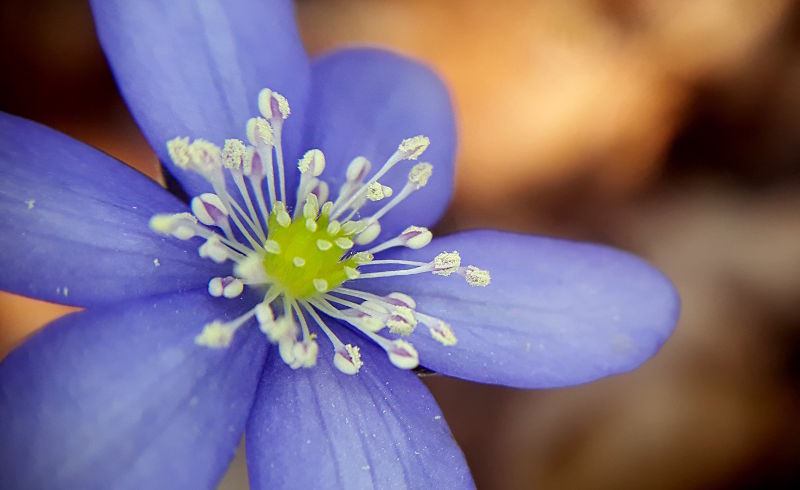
668	128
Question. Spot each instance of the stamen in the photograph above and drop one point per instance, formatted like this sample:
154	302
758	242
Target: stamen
304	260
348	359
446	263
219	334
477	277
409	149
229	287
412	148
180	225
369	234
376	191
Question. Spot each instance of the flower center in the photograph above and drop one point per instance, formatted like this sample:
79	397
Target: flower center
302	262
309	259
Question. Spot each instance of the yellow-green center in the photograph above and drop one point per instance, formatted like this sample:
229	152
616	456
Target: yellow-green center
310	261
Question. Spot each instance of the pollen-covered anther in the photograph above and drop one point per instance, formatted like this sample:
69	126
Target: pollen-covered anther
215	334
313	161
180	225
446	263
178	149
205	157
233	154
419	175
347	359
412	148
377	191
401	321
477	277
402	354
305	354
259	132
273	105
209	209
229	287
442	333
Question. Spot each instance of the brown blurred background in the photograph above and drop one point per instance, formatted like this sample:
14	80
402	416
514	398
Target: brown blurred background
670	128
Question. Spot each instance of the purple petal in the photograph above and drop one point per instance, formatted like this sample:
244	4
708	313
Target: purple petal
195	68
121	397
556	313
365	102
319	428
75	223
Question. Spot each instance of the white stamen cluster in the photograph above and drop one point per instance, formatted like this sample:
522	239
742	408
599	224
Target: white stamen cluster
246	230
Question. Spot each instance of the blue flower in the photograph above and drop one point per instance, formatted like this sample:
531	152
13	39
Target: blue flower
155	381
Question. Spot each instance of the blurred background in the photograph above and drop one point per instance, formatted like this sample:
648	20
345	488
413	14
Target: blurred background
668	128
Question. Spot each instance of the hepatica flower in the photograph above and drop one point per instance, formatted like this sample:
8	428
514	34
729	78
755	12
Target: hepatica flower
291	299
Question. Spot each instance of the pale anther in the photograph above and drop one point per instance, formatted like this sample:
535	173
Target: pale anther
259	132
401	321
314	161
416	237
446	263
178	149
209	209
403	355
357	169
412	148
179	225
419	175
214	249
264	313
442	333
401	299
369	234
233	154
477	277
376	191
216	334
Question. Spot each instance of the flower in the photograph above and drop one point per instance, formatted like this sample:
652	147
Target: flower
158	378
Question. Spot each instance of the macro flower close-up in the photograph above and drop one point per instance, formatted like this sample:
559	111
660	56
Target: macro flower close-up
288	286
